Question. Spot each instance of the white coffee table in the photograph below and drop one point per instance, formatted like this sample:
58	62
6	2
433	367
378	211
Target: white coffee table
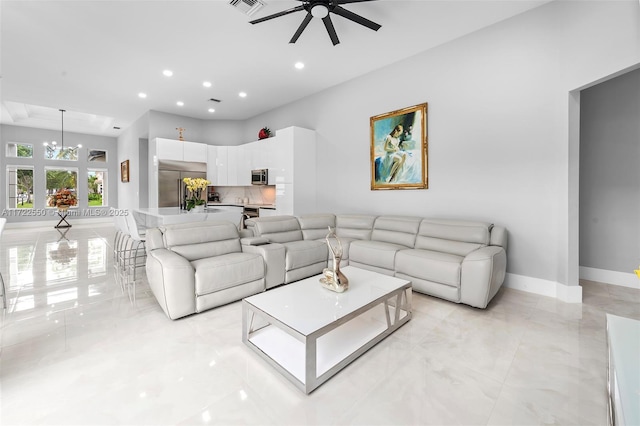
309	333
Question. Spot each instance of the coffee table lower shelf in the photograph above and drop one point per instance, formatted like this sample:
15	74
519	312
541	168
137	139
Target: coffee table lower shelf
310	360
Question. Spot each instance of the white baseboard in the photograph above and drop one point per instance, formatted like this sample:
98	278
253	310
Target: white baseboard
565	293
610	277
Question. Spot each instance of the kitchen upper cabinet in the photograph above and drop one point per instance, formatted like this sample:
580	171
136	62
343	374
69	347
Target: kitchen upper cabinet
217	165
194	151
169	149
244	156
232	165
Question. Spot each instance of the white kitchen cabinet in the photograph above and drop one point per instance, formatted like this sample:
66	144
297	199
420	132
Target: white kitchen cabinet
243	171
193	151
212	164
169	149
232	165
217	165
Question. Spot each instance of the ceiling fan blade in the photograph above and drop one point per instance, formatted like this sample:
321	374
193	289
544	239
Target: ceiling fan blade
351	1
301	28
330	29
277	15
338	10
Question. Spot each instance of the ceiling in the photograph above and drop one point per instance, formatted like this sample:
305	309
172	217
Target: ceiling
92	58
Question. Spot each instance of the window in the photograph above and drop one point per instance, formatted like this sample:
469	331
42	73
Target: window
61	178
52	152
19	150
97	155
97	187
20	187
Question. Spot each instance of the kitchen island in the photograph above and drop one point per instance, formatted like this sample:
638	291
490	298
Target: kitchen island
154	217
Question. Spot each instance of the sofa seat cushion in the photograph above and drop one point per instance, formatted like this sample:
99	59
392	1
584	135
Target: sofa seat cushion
226	271
376	253
304	253
429	265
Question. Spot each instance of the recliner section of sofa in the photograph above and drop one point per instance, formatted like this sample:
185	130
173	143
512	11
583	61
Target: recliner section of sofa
461	261
193	267
303	257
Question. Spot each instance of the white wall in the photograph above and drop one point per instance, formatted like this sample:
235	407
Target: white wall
212	132
128	149
498	126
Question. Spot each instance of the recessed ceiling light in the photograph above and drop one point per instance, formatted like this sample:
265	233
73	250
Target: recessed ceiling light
167	73
180	103
242	94
299	65
206	83
142	95
211	110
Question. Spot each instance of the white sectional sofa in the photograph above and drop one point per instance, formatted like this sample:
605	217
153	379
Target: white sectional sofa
193	267
461	261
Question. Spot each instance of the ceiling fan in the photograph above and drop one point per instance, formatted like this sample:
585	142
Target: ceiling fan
322	9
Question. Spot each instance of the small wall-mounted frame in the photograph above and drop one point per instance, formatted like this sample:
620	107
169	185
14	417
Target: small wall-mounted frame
124	171
97	155
399	149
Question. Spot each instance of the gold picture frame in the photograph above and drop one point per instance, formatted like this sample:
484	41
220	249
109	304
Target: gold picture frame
399	154
124	171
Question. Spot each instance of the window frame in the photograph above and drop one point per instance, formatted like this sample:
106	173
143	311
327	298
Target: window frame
105	184
14	168
65	168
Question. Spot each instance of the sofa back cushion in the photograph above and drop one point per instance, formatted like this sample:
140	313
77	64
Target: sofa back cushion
356	226
277	229
396	230
316	226
452	236
200	240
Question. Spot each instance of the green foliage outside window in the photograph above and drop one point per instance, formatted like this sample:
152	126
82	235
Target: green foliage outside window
25	151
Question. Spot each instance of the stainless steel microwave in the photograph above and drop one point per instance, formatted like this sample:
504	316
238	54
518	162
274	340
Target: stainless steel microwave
259	177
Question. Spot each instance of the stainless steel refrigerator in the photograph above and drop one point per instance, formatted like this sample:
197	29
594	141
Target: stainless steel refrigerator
172	192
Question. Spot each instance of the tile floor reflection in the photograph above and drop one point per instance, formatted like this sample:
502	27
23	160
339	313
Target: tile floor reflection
74	350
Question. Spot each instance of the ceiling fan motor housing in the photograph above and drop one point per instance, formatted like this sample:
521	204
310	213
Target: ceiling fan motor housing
322	9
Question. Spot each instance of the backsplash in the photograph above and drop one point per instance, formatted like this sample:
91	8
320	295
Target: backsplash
263	194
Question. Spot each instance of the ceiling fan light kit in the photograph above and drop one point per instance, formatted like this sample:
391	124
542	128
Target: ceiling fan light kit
323	9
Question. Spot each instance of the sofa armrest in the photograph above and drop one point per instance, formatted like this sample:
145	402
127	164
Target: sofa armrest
274	256
153	239
254	241
483	273
499	236
171	278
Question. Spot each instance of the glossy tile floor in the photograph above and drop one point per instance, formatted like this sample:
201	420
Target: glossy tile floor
74	350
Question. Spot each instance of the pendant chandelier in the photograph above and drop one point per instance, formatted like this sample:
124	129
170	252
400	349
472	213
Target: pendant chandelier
60	152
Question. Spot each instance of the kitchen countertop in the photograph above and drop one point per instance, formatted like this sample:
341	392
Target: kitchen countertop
250	205
153	217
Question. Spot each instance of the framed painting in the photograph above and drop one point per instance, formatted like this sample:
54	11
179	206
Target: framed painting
399	149
124	171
